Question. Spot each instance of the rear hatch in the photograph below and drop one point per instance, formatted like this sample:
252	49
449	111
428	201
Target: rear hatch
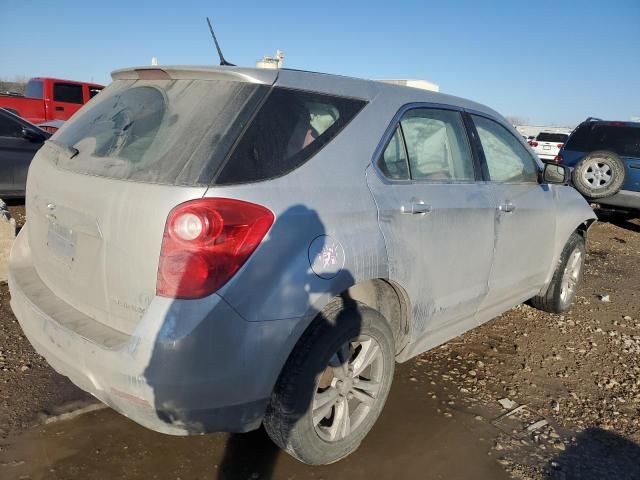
547	143
99	192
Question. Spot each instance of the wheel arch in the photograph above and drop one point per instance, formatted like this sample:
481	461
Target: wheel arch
380	294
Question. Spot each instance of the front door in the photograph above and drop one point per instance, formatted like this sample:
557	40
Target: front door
436	220
524	216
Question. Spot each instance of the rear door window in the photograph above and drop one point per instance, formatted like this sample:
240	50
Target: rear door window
67	93
507	159
288	130
437	145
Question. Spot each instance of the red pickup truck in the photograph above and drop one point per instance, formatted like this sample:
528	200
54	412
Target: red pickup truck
47	99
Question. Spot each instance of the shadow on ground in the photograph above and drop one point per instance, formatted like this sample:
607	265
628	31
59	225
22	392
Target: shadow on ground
598	455
620	219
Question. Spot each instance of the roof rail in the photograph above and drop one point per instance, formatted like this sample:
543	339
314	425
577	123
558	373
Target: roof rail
593	119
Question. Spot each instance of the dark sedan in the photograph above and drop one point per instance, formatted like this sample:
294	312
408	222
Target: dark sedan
19	141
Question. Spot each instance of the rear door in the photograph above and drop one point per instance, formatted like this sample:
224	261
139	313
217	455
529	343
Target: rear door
67	98
524	217
436	220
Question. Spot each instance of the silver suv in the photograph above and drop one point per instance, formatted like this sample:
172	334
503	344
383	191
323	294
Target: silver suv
216	248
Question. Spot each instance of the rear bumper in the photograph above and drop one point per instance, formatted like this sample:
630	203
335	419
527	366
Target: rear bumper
546	156
624	199
189	367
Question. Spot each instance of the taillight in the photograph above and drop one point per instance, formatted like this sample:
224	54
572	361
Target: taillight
533	144
560	145
205	243
558	159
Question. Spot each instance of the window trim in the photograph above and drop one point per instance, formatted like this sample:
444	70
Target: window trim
404	149
390	131
483	158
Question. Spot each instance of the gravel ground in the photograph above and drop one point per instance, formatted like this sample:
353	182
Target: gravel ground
578	372
554	396
30	390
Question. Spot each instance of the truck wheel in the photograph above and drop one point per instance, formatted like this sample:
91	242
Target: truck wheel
600	174
334	384
561	292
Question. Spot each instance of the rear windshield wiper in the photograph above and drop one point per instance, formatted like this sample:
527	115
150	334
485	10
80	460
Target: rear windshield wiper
66	150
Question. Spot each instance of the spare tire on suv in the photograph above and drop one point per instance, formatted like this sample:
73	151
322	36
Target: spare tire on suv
599	174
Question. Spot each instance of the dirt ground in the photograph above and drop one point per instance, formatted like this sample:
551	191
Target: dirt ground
528	395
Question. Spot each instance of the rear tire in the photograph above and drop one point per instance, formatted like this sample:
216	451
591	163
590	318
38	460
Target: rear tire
561	291
325	401
600	174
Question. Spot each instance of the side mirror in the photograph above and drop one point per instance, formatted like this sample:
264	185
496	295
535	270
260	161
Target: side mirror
554	173
32	135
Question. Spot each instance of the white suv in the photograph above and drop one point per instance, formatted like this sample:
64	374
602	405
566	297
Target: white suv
547	145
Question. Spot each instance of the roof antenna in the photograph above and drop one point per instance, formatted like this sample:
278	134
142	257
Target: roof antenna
215	40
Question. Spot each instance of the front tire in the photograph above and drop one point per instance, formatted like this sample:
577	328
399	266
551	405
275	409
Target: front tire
334	385
561	292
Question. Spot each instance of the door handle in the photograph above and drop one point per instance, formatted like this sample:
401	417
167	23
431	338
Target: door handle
59	109
416	208
507	207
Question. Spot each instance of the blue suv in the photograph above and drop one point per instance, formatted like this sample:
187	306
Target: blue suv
606	160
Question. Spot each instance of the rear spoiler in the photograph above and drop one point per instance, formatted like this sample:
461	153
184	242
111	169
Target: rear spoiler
237	74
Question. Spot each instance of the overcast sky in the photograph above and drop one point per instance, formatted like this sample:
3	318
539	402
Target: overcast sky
546	61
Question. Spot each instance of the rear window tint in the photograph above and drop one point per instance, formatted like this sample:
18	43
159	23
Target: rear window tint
289	129
552	137
159	131
596	136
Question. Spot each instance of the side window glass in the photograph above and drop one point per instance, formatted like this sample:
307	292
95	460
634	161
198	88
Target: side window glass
67	92
508	160
437	145
9	127
290	128
393	162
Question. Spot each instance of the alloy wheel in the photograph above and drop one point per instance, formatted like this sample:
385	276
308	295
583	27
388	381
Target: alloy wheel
348	388
571	276
597	174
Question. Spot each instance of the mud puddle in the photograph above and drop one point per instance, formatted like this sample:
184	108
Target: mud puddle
412	439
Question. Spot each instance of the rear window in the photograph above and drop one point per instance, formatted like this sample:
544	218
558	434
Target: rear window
289	129
159	131
67	92
34	89
552	137
623	140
